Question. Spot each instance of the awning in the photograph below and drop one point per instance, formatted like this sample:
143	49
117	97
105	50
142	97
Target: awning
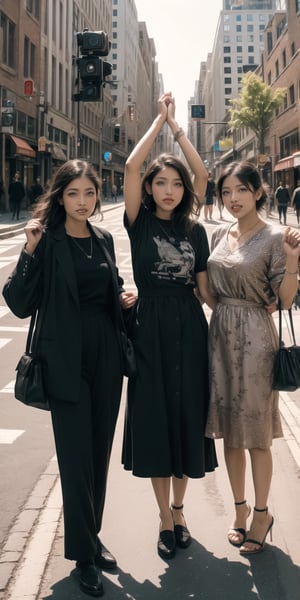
57	152
287	163
22	147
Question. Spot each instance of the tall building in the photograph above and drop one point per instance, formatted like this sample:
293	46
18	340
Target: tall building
238	45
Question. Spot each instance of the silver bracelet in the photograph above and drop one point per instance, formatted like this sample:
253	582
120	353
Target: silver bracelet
178	134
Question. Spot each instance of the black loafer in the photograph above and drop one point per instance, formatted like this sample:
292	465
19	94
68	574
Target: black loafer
182	536
89	578
166	545
104	559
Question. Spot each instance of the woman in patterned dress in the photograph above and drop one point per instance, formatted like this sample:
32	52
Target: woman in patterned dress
252	264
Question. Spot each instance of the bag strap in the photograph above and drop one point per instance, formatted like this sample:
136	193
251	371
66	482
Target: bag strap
291	324
38	316
118	308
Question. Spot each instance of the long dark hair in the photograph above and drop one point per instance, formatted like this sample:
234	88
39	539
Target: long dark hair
249	176
190	203
49	210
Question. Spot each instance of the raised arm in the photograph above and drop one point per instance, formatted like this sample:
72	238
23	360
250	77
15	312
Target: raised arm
134	163
193	159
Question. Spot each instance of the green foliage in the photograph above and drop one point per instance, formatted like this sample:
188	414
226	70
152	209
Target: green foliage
255	107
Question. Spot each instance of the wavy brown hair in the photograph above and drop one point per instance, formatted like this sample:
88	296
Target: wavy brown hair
49	210
190	204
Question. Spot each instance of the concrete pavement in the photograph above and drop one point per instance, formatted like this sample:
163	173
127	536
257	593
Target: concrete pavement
210	569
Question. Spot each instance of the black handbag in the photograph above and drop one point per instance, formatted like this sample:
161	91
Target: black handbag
29	385
286	373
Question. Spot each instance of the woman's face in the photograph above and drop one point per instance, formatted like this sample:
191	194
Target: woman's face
239	200
79	199
167	191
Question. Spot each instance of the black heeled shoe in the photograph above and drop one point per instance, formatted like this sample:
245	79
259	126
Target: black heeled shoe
182	534
261	544
166	545
104	558
238	530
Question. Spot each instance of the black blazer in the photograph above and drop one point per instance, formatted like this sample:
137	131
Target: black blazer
47	281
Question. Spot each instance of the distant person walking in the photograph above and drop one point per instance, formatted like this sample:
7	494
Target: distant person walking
16	192
282	197
296	201
209	197
35	191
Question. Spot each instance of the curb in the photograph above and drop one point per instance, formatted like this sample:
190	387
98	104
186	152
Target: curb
7	230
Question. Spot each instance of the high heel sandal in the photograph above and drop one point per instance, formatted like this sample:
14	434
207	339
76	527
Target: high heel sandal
238	530
182	534
166	544
262	543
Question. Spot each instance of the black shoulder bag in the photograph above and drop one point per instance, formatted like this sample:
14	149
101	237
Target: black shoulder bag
286	374
29	386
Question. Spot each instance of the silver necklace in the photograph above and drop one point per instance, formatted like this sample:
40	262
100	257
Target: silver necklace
90	255
238	237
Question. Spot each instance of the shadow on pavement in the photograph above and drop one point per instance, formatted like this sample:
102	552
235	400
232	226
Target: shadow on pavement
197	574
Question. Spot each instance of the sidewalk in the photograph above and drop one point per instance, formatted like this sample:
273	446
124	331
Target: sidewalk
9	227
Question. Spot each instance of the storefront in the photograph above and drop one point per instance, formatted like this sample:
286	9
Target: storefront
287	170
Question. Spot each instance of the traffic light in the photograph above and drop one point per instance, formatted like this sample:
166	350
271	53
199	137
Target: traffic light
92	70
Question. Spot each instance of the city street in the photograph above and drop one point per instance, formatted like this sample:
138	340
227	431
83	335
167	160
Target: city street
32	565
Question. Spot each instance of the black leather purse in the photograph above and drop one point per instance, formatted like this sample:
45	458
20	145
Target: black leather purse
286	373
29	385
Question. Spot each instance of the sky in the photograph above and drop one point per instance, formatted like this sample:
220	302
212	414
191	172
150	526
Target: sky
183	32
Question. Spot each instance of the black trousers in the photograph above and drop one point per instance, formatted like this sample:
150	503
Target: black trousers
83	433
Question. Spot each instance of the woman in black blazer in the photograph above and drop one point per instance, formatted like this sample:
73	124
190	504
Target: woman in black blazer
67	270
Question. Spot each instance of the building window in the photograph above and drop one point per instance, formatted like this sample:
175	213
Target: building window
115	12
277	68
250	39
249	17
269	78
226	50
293	48
226	28
269	41
292	94
227	91
250	48
238	18
226	39
283	59
250	60
29	58
239	59
227	59
227	69
115	24
8	41
33	7
249	28
239	39
114	46
114	35
227	80
297	5
240	69
239	48
238	28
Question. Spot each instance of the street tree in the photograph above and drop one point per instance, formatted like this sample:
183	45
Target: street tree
255	107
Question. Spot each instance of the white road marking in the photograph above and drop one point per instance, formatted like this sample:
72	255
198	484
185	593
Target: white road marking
9	436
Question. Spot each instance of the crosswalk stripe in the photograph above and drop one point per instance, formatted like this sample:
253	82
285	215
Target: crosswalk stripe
9	436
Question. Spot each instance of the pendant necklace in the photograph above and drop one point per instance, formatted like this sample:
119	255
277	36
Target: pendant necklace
90	255
238	237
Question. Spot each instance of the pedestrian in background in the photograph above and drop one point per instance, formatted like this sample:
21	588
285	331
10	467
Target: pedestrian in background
209	197
16	192
282	197
36	190
167	400
251	265
63	271
296	201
